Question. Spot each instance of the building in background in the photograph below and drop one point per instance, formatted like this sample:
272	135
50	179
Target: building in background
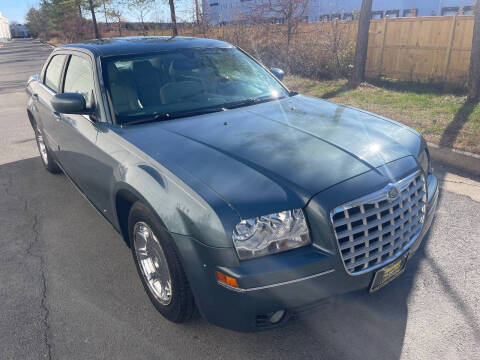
4	29
225	12
19	31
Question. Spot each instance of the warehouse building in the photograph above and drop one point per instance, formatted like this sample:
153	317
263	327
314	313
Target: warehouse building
4	29
225	12
19	31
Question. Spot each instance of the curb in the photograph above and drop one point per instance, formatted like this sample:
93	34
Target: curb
459	159
45	43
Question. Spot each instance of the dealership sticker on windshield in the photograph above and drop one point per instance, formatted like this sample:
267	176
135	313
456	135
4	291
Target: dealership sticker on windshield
388	273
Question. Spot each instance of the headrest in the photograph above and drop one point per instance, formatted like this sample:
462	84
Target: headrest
143	68
112	72
182	65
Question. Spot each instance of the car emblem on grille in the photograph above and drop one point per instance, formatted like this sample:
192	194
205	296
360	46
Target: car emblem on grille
392	194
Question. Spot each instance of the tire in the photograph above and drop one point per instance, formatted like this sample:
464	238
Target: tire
45	153
180	306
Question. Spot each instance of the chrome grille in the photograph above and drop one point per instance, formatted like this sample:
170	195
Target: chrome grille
378	228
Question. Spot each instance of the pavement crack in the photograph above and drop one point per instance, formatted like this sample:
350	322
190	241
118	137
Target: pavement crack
46	311
9	184
461	182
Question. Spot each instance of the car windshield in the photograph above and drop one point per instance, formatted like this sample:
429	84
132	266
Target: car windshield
185	82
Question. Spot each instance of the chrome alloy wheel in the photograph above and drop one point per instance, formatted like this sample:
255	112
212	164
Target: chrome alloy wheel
41	147
152	261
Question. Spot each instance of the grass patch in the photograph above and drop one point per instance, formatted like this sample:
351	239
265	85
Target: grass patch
442	118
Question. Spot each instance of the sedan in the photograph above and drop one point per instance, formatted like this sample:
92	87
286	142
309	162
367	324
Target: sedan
237	197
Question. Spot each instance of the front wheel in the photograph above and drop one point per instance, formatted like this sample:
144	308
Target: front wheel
45	154
158	265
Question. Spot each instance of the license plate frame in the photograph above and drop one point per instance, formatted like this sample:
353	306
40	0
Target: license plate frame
388	273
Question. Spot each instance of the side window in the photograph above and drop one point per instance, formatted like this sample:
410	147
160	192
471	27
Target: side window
54	72
79	78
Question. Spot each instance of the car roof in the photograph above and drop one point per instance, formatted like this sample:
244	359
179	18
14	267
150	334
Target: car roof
143	44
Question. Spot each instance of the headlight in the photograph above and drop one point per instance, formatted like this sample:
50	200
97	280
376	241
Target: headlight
270	234
424	161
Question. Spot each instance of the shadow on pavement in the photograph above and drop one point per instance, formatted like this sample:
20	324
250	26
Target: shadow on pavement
98	308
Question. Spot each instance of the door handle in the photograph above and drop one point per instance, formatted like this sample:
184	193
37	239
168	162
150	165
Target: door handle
57	115
35	97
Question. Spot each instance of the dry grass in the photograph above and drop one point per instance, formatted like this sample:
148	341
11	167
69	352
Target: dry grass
442	118
317	50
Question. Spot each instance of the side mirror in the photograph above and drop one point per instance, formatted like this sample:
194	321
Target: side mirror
279	73
70	103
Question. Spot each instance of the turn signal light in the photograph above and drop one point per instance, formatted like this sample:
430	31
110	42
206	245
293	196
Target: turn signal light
221	277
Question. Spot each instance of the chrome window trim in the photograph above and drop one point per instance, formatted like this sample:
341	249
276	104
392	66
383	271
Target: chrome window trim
377	196
276	284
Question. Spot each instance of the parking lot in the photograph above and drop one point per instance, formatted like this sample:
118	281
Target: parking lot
69	288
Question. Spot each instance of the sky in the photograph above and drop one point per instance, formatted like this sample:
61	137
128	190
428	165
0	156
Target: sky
15	10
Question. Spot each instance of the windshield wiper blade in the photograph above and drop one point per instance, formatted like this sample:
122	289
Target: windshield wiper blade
197	112
174	115
147	119
251	101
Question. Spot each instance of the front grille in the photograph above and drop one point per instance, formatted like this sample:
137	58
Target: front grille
378	228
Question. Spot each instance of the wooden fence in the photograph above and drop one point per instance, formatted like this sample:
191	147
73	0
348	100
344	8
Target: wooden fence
424	49
418	49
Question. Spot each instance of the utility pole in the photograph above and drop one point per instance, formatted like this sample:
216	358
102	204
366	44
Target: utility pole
361	48
474	72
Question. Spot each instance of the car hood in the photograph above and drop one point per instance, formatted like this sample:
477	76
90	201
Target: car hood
276	155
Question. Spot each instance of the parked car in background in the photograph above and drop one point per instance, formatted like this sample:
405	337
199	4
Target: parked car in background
237	196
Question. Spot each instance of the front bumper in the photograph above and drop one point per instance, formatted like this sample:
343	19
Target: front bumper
296	281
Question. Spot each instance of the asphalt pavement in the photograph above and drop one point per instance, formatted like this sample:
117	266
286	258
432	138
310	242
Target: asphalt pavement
69	288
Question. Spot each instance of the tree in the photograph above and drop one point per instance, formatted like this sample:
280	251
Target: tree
474	73
173	17
91	6
116	14
200	20
105	11
64	16
197	12
361	48
37	23
288	12
142	8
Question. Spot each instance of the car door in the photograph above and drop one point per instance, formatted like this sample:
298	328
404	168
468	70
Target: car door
82	160
50	85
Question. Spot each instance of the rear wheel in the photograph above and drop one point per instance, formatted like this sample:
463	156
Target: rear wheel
45	153
159	266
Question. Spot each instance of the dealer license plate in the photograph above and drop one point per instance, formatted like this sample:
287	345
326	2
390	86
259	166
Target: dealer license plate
388	273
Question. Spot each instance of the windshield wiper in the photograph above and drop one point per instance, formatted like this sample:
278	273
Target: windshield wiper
173	115
251	101
146	119
208	110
